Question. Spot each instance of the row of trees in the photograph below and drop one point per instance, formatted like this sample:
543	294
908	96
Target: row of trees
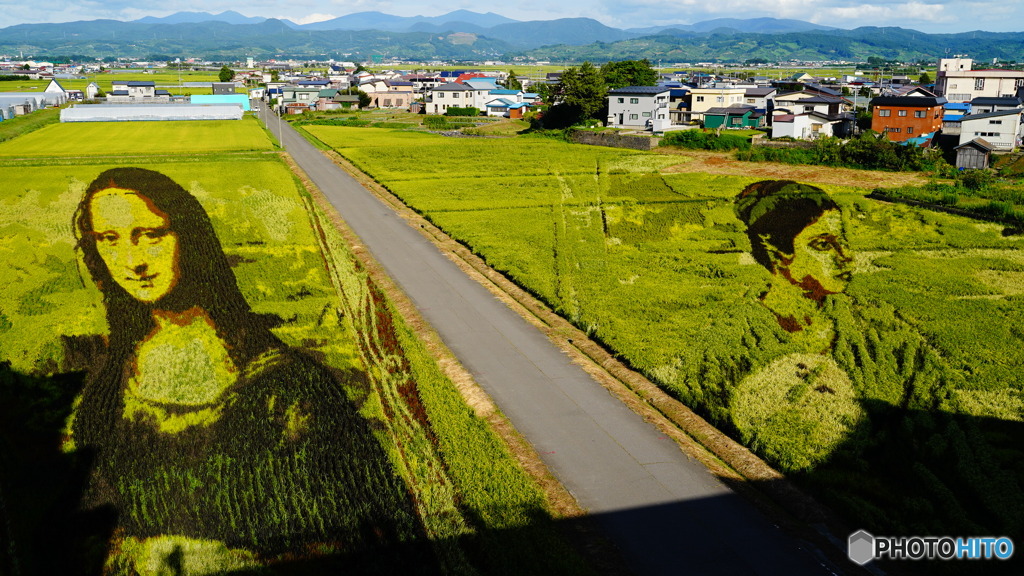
581	96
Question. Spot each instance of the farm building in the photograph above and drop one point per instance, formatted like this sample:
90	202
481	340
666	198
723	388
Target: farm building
973	155
239	99
150	112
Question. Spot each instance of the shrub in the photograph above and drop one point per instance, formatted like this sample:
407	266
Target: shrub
702	140
975	179
468	111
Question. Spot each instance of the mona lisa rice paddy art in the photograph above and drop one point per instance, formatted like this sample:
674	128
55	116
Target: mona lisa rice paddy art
199	379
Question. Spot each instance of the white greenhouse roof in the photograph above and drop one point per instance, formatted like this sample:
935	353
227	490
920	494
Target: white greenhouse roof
151	112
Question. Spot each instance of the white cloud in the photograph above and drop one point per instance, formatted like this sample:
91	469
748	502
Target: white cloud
314	18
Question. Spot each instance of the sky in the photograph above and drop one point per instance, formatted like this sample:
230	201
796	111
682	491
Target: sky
931	16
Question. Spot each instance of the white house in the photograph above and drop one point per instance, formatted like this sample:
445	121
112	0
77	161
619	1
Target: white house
959	82
1002	129
638	106
807	126
450	95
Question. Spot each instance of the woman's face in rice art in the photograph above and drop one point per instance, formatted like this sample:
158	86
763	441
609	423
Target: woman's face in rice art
136	243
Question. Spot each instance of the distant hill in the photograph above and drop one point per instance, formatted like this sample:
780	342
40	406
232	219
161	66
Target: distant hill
389	23
751	25
466	35
230	16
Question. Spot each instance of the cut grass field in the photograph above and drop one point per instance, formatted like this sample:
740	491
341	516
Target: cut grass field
77	139
645	253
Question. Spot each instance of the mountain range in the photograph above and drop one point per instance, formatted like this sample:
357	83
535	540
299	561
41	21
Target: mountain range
466	35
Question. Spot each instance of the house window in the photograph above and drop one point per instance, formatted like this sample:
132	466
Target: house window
883	113
621	100
902	113
891	129
995	121
440	94
633	117
387	102
455	94
700	98
634	100
719	98
979	83
645	114
919	113
910	129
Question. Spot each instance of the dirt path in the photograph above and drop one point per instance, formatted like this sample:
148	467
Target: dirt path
725	163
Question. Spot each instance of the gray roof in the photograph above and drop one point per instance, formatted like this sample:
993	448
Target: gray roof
977	143
640	90
736	109
760	91
452	87
908	101
1015	111
986	100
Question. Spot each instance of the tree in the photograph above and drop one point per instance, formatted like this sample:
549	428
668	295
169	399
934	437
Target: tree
275	76
226	74
513	83
629	73
364	98
924	79
580	96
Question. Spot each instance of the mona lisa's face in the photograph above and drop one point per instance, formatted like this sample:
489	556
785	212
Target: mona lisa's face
821	260
136	243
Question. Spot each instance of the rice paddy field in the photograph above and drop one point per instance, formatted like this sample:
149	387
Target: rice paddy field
75	139
257	479
901	406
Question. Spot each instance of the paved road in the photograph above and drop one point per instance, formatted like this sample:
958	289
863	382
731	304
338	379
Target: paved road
667	513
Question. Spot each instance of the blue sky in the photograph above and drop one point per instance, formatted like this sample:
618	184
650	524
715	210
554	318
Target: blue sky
933	16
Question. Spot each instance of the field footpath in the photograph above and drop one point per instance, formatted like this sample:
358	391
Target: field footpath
724	163
728	460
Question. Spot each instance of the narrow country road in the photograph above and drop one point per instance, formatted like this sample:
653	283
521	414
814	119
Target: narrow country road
667	513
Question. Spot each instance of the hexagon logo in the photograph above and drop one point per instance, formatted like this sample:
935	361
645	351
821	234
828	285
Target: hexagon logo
861	547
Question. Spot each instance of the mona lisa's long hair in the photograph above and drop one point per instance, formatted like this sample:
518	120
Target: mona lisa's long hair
205	278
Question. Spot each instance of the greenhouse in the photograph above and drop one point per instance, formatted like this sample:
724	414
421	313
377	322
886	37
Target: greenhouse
150	112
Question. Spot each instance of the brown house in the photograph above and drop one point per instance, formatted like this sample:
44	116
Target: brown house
905	117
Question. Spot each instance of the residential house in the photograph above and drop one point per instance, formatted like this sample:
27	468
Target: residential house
905	117
399	94
679	105
450	95
737	116
134	89
974	154
952	112
703	99
984	105
297	99
761	98
638	106
423	82
958	82
806	126
1002	130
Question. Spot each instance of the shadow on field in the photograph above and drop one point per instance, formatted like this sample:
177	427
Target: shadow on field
928	454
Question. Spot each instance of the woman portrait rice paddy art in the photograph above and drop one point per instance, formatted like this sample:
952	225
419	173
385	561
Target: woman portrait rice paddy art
800	406
218	446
